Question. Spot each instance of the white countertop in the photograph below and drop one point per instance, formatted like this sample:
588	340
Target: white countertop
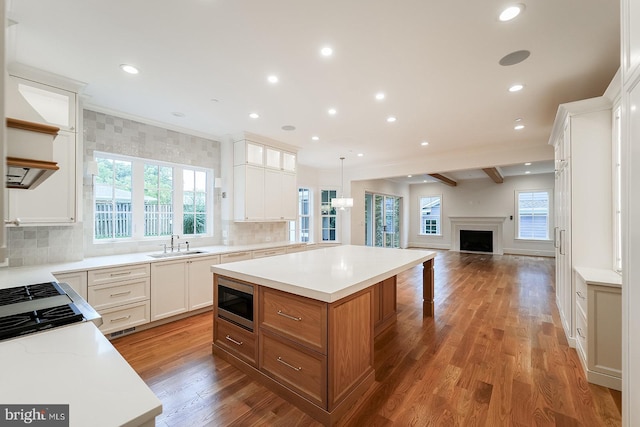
326	274
17	276
599	276
76	365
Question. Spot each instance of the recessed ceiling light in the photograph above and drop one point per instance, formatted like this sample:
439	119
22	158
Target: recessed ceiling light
511	12
379	96
518	127
326	51
315	138
178	114
288	127
360	154
391	119
332	111
516	87
254	115
528	164
272	79
129	69
424	143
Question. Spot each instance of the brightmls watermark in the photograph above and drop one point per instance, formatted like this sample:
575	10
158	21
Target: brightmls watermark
34	415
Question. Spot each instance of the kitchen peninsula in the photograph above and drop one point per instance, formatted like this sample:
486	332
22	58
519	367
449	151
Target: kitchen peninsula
304	323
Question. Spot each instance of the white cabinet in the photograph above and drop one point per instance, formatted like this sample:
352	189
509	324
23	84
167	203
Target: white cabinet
54	202
181	285
599	326
77	281
263	253
264	182
201	281
169	291
581	137
121	295
235	256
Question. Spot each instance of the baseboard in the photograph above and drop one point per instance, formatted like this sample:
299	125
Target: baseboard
416	245
571	340
530	252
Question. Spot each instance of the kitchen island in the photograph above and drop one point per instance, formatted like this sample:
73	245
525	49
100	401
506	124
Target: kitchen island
307	320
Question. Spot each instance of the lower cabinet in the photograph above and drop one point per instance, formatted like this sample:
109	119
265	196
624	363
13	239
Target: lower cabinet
200	281
77	281
599	329
384	304
169	291
320	355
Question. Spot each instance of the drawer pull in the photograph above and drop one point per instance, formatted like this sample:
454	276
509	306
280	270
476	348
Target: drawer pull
288	316
580	333
126	273
288	365
580	295
120	294
236	254
228	338
120	319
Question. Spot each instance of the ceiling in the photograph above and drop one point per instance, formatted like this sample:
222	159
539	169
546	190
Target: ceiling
204	66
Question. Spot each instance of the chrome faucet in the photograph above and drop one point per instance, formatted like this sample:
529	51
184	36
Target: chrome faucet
177	237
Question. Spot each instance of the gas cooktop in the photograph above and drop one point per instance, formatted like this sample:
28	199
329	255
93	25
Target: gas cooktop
32	308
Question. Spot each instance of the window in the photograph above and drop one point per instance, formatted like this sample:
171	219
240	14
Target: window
140	198
194	217
430	208
328	215
301	230
112	193
533	209
158	200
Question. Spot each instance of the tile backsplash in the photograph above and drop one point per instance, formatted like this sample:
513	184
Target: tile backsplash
44	245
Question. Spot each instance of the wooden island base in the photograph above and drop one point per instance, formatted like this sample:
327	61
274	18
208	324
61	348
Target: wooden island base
314	354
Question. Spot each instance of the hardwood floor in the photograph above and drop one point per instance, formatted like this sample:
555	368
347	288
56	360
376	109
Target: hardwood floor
494	354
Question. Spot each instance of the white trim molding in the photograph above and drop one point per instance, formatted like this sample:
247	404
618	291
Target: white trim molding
483	223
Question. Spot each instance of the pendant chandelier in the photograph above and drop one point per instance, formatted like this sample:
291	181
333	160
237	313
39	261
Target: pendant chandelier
342	202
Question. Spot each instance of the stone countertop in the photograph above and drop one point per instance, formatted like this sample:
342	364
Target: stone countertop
89	375
326	274
599	276
17	276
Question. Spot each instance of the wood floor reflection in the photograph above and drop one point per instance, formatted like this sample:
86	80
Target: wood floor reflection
494	354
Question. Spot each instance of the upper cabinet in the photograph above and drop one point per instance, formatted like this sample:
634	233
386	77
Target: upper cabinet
264	180
54	201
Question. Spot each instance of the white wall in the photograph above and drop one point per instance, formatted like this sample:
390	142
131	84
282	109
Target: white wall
479	197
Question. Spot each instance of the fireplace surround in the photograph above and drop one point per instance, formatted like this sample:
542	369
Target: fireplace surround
479	223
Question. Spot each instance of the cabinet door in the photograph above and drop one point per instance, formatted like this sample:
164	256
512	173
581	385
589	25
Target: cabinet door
56	106
288	162
201	282
273	158
273	194
53	201
289	197
169	292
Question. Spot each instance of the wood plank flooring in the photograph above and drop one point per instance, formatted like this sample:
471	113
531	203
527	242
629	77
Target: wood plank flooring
494	354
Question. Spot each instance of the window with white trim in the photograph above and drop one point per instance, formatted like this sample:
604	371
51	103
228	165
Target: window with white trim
430	221
328	216
533	214
137	199
300	230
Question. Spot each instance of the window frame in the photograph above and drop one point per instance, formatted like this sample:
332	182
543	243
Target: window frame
421	229
137	198
331	213
549	193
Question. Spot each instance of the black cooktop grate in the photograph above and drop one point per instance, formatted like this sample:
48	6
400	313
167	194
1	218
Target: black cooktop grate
34	321
29	293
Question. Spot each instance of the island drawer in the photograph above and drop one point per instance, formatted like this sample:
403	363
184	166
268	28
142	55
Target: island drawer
115	274
301	319
295	367
126	316
236	340
581	294
112	295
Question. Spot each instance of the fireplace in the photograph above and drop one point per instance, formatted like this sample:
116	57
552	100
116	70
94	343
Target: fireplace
476	240
491	225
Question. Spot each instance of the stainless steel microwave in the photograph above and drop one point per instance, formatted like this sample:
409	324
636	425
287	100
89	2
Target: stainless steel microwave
235	302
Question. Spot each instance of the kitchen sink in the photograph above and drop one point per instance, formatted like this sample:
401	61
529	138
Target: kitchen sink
177	254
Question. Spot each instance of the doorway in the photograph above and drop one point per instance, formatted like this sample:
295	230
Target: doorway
382	220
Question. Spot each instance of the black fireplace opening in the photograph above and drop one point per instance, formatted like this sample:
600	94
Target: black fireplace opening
476	241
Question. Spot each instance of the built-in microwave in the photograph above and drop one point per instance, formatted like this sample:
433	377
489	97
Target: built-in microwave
235	302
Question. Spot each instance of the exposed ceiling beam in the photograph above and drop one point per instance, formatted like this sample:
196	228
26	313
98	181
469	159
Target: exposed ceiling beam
494	174
443	179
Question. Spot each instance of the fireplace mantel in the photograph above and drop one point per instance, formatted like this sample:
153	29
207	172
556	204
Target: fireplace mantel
485	223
